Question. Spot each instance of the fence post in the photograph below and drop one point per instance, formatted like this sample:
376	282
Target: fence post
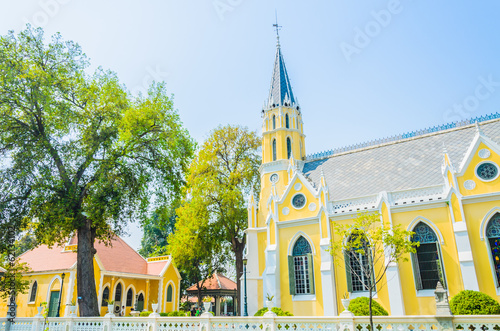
71	321
445	323
35	326
107	325
346	323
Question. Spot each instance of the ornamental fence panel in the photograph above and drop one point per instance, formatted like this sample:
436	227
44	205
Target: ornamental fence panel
288	323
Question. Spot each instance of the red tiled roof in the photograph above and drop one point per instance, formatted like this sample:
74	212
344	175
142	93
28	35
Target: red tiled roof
216	282
118	257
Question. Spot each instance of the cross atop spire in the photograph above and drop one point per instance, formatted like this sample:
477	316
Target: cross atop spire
278	28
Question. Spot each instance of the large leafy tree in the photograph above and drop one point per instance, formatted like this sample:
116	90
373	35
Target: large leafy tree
81	156
195	246
221	178
372	247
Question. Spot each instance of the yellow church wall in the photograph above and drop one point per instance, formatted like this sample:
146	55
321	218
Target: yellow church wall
474	215
170	274
470	174
439	218
382	296
294	213
301	308
455	206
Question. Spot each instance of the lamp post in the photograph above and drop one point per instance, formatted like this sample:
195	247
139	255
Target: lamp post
245	305
60	295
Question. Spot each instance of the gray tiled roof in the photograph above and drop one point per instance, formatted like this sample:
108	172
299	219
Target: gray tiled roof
406	164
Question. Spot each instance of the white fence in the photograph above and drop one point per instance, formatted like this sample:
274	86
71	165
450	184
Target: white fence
385	323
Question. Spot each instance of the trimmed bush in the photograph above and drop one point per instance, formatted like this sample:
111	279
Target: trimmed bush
276	310
176	313
163	314
145	313
469	302
361	307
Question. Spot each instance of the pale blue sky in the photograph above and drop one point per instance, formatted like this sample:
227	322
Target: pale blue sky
402	72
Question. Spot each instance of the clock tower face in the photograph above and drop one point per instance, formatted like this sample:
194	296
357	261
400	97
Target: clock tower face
274	178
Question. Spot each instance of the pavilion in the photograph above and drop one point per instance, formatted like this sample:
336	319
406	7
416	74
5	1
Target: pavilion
218	286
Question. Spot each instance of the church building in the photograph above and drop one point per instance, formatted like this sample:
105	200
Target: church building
441	183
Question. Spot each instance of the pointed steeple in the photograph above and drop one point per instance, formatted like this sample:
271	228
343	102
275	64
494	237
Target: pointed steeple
280	93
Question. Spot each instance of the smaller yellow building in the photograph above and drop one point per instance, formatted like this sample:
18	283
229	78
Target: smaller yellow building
121	274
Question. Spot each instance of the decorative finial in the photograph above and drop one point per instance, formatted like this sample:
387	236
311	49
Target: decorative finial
444	149
277	27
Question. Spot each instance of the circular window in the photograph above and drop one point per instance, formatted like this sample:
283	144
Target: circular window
274	178
487	171
299	201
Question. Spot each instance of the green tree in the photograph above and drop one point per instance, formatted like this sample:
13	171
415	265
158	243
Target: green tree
82	156
157	228
221	177
195	247
373	247
12	274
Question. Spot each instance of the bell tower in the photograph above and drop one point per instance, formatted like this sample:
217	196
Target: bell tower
282	127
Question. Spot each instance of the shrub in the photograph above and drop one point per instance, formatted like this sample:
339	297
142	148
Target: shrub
361	307
177	313
145	313
163	314
469	302
276	310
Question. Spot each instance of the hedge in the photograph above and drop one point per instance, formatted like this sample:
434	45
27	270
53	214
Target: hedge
469	302
361	307
276	310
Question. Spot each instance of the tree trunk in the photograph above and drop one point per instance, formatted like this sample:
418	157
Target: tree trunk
370	307
237	249
86	288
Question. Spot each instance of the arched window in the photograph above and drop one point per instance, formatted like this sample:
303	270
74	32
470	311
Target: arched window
274	149
288	148
287	122
105	296
140	302
493	235
169	293
33	291
130	295
297	127
300	268
359	265
274	122
118	292
427	262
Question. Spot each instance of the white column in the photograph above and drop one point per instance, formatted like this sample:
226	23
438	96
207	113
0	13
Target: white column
395	291
252	273
69	295
160	296
464	250
328	279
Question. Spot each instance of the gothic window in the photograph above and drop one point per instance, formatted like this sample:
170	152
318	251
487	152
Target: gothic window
287	122
274	149
130	295
105	296
288	148
427	262
300	268
33	291
118	292
169	293
274	122
359	266
493	235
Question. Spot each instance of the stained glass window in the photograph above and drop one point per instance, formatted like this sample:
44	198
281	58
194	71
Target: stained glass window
487	171
118	292
427	262
302	266
493	234
287	122
274	122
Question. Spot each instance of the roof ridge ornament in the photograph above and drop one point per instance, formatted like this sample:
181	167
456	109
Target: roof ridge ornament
277	27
